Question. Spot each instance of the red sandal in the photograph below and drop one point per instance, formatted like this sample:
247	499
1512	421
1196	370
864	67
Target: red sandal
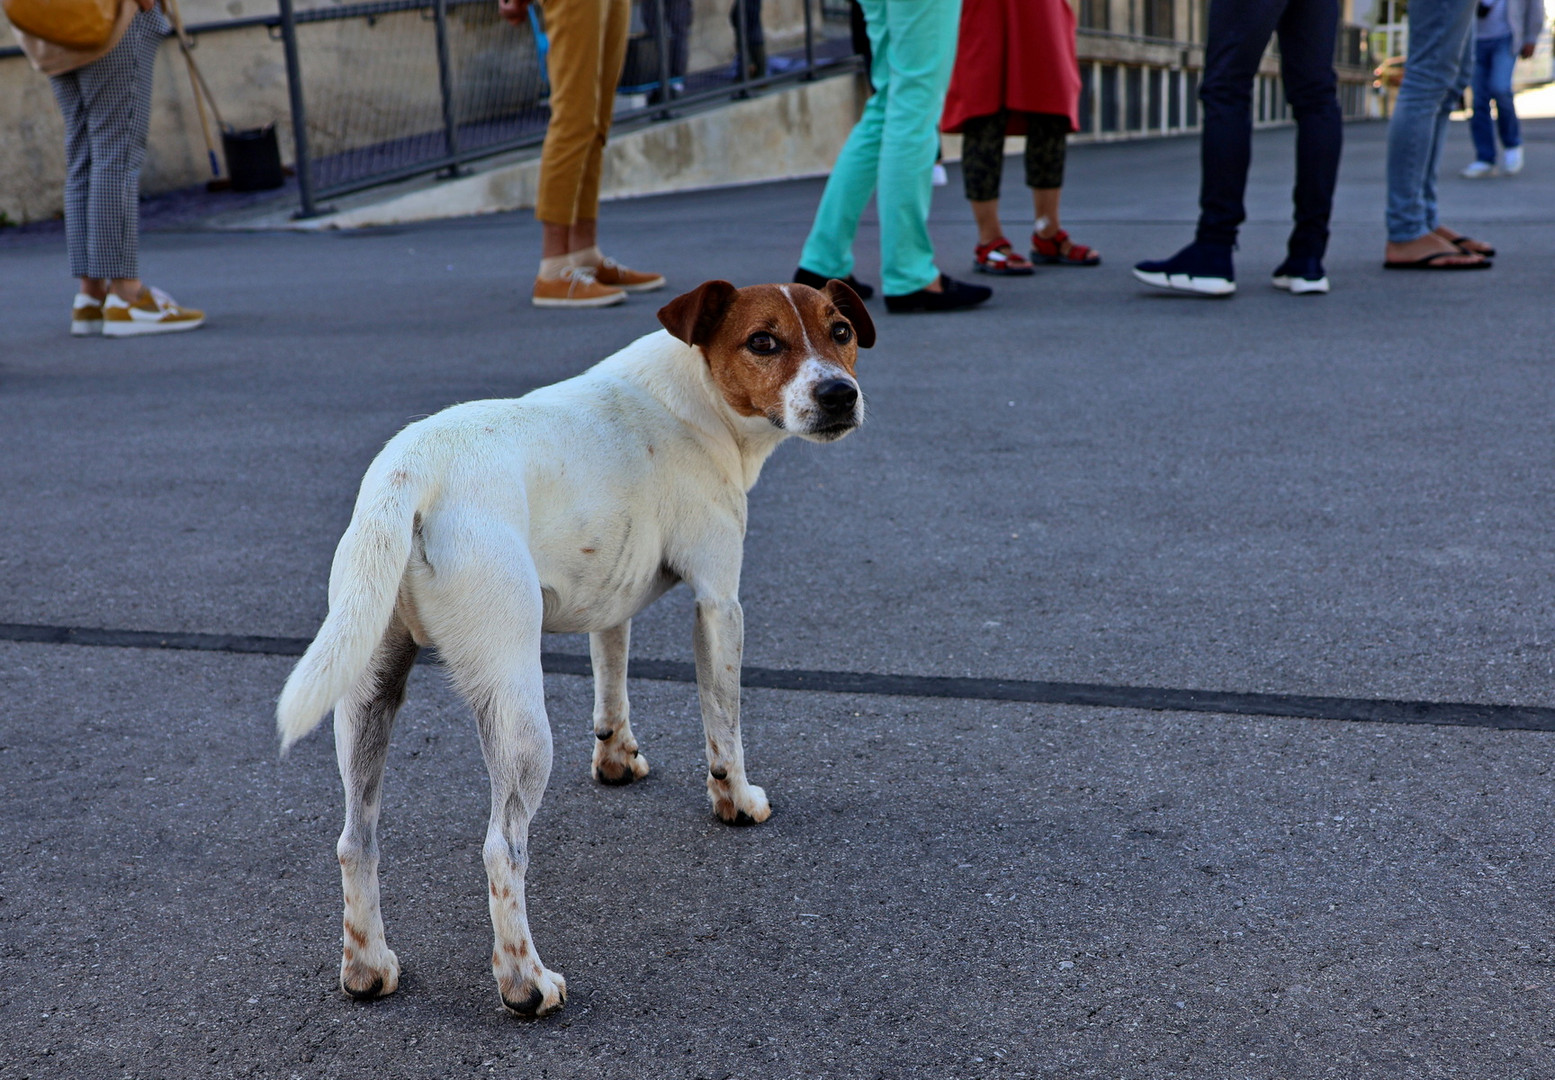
1059	249
999	257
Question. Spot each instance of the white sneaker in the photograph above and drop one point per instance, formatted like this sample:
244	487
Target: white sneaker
86	316
153	312
939	177
1512	164
1479	170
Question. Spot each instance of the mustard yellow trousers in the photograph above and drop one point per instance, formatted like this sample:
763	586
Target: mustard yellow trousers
588	48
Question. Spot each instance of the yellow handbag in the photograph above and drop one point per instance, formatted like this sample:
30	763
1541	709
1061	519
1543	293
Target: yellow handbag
75	24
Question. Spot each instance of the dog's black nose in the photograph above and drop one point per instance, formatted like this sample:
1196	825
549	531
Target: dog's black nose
837	396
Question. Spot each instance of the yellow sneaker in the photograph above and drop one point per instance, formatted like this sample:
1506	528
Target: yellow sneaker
153	312
609	272
86	316
576	287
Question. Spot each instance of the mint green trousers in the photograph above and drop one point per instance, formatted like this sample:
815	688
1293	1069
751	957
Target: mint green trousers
892	147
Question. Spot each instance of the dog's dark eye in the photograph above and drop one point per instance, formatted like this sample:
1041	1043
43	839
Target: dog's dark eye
841	333
762	344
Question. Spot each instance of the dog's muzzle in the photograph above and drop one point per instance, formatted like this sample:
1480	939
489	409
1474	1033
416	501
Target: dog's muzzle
836	409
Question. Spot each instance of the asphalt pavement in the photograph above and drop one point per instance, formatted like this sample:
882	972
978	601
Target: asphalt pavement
1071	512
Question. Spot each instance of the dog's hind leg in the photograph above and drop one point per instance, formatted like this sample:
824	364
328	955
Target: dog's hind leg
720	645
516	741
363	721
483	609
616	758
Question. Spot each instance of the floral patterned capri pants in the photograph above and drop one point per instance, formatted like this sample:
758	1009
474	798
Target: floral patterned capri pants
982	152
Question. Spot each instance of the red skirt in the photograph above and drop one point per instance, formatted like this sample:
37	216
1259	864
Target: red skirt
1017	55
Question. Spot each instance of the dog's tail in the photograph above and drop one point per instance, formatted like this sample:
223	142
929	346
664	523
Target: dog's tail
364	583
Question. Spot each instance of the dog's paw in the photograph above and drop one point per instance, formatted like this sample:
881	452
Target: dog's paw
616	764
534	997
365	977
743	805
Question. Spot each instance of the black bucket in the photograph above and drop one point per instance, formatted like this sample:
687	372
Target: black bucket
253	158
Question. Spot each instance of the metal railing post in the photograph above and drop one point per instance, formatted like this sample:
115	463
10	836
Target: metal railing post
304	162
809	42
742	46
663	38
445	85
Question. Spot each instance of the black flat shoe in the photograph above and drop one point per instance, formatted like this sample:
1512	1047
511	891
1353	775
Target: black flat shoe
816	281
956	295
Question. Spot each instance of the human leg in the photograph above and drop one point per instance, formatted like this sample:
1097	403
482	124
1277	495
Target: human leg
1438	34
918	54
828	250
588	47
1439	232
750	41
1307	30
86	311
1481	127
78	178
982	160
1239	32
677	30
583	234
576	30
1047	148
1503	60
615	28
982	169
1047	138
1462	73
115	98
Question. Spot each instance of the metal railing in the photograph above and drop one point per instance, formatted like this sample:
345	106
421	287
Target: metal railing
467	85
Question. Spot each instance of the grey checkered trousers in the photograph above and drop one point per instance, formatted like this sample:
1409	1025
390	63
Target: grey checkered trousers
107	110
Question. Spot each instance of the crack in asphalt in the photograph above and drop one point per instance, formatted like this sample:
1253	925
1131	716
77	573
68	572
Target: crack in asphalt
1096	695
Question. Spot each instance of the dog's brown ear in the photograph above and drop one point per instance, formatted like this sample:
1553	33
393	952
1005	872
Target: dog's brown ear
693	317
852	308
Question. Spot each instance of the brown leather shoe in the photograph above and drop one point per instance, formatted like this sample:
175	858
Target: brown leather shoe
575	288
609	272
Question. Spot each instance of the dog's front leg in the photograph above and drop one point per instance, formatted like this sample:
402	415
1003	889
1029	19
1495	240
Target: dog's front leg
720	646
616	758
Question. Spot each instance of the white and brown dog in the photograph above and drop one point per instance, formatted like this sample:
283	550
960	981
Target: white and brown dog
570	509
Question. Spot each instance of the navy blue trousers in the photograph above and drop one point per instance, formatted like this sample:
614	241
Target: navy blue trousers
1239	31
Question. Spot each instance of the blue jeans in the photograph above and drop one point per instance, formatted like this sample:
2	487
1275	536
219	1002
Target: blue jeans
1238	34
1441	58
1493	60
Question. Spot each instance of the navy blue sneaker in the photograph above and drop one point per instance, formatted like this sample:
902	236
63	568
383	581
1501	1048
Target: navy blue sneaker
1301	275
1204	269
